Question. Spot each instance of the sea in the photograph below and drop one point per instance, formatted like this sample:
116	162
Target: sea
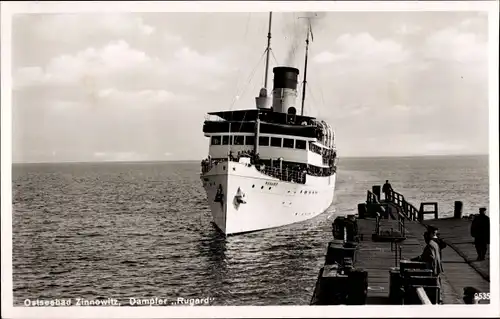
133	231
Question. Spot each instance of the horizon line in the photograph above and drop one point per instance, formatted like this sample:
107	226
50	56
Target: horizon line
195	160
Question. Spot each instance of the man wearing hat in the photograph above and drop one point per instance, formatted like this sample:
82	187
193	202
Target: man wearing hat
432	231
431	255
480	230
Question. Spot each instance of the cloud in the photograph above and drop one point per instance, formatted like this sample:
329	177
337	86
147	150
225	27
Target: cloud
140	98
73	69
406	29
64	27
118	62
327	57
454	45
363	47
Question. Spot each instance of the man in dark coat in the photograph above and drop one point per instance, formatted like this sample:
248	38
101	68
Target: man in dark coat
480	230
386	189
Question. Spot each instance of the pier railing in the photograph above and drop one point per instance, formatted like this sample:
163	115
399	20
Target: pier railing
372	198
409	211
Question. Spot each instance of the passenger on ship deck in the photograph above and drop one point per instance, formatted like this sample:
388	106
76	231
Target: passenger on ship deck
386	189
480	230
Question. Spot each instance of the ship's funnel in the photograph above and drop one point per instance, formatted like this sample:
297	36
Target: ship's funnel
285	88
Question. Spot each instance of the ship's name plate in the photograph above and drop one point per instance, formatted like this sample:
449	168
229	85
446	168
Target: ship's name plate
272	183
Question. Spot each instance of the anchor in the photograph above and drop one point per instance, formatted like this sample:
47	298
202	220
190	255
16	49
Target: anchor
240	197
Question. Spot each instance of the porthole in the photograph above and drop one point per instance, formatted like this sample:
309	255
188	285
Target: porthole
253	186
269	188
262	187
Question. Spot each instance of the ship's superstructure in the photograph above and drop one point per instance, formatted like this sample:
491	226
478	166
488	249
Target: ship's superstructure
268	166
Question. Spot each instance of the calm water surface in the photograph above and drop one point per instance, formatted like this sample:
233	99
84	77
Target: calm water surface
124	230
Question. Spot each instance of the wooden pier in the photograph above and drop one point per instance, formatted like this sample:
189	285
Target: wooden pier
388	233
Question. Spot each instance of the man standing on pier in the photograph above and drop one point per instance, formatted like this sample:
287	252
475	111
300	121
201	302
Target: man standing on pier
480	230
433	235
432	257
386	189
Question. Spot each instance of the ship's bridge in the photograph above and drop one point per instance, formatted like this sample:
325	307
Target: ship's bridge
265	115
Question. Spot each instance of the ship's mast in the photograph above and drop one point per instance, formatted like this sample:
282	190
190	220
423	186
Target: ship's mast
266	74
309	31
268	50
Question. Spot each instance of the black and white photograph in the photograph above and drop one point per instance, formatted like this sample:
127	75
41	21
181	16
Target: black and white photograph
174	159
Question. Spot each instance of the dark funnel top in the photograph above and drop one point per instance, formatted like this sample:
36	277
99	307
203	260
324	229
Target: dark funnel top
285	77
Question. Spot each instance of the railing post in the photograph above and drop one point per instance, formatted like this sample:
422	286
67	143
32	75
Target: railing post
395	254
376	190
457	213
421	213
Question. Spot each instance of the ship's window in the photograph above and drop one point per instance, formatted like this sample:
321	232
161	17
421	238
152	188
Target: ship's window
276	141
288	142
216	140
300	144
264	140
225	140
239	140
249	140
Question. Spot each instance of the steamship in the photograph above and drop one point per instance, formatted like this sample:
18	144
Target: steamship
269	166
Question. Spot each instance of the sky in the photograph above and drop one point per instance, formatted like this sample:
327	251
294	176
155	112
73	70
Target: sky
137	86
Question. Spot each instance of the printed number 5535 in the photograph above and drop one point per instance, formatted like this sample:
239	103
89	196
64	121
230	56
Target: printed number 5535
482	296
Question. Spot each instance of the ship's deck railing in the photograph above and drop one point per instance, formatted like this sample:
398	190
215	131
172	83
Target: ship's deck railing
287	175
294	174
207	165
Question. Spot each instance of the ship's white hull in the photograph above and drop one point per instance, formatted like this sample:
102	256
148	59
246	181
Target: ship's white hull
267	202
